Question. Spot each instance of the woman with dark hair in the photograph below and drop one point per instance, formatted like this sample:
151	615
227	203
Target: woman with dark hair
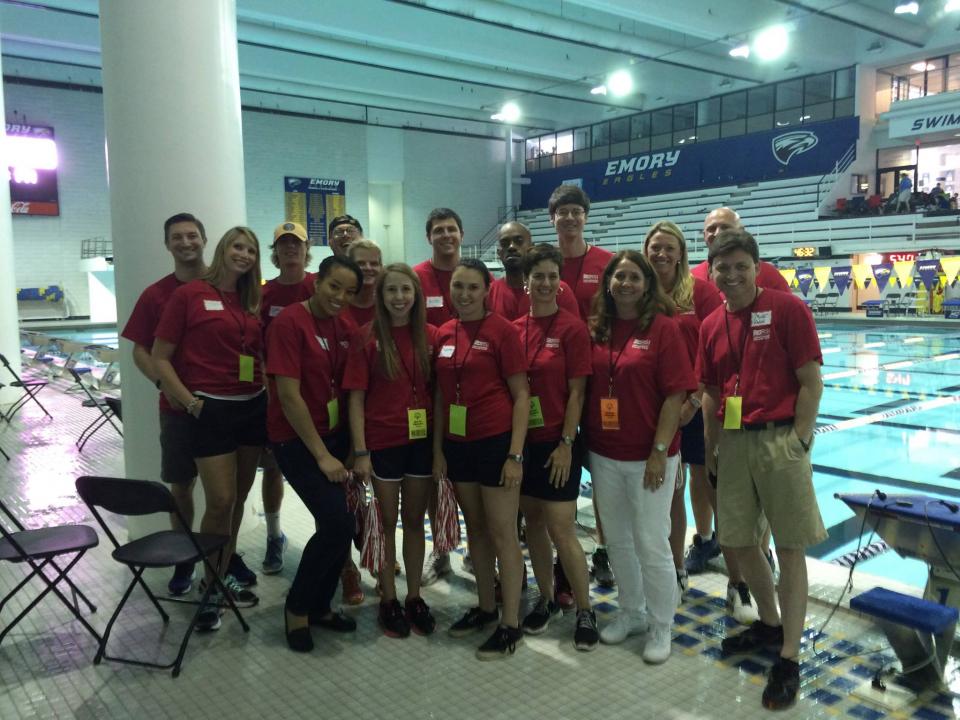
641	376
666	249
391	407
207	352
307	352
557	349
482	404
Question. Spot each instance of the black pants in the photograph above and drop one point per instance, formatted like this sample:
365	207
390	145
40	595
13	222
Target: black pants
326	551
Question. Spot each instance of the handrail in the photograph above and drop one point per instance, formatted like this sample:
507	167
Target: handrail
840	166
488	240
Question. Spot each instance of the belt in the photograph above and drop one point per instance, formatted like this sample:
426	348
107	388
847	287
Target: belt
768	425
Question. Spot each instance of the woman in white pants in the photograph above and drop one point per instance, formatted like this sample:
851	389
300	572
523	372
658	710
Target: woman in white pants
641	376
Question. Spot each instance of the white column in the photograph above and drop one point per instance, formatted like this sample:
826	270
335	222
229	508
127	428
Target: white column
9	330
172	114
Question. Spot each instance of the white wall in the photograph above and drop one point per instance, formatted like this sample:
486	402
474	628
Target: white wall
393	177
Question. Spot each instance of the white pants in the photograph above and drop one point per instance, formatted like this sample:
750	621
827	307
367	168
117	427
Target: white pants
636	526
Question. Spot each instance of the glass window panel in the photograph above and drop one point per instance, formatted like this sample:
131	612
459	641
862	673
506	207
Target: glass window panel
548	144
784	118
708	111
760	100
620	148
935	80
659	142
533	165
562	159
734	106
640	145
600	153
896	157
708	132
732	127
620	130
581	138
845	83
581	156
815	113
684	116
789	94
533	148
546	161
953	77
685	137
601	134
662	121
759	123
843	108
818	89
564	142
640	126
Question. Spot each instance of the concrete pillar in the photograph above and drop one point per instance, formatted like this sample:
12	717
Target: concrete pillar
172	114
9	330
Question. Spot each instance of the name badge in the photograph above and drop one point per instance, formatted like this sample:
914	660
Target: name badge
333	412
536	413
434	301
417	424
446	351
212	305
246	368
761	318
591	279
732	412
275	310
458	420
609	414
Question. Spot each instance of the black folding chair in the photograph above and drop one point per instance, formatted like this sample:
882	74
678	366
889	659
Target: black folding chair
166	548
105	405
40	548
30	389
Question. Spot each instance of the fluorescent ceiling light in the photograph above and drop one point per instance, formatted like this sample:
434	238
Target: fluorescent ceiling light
771	43
509	113
599	90
921	66
744	50
952	6
620	83
907	8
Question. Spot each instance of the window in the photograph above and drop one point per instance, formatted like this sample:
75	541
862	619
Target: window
581	145
818	89
760	100
548	145
601	134
789	94
640	133
733	106
844	83
619	137
708	111
564	148
661	121
684	116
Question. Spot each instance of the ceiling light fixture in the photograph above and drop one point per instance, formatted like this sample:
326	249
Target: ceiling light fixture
952	6
921	66
509	113
599	90
620	83
907	8
741	51
771	43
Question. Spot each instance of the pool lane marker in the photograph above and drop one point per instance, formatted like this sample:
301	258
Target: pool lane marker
887	414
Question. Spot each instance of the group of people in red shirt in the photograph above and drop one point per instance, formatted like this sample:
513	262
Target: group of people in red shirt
578	357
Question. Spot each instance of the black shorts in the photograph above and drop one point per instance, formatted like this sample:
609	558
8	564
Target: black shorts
176	448
415	459
536	477
692	450
225	425
477	460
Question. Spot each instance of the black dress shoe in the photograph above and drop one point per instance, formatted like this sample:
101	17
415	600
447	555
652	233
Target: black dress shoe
298	640
335	621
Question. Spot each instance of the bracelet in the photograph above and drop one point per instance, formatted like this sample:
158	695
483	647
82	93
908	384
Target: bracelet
192	405
695	401
361	453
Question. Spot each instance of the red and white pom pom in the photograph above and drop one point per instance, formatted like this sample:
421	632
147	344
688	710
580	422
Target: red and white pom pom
447	536
372	554
356	502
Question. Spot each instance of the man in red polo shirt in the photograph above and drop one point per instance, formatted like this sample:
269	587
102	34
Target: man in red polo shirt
759	361
342	231
185	238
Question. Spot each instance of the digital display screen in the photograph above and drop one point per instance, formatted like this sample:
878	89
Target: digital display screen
805	252
33	160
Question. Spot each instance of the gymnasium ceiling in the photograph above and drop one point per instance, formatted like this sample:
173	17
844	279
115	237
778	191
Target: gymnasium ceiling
450	64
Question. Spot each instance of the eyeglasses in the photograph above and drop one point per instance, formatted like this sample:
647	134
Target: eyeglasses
345	232
575	213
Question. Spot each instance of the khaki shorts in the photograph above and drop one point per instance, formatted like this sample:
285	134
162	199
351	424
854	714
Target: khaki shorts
765	476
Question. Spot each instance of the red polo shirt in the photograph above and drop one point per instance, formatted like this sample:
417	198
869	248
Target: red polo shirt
513	303
275	296
435	284
768	277
706	299
584	274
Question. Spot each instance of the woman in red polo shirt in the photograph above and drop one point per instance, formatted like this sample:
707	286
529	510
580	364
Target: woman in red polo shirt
482	404
391	408
557	349
207	351
307	352
641	376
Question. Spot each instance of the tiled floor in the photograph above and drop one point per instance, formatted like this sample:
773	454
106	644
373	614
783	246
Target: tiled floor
46	667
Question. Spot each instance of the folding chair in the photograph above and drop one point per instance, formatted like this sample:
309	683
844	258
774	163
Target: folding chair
166	548
39	549
106	407
30	389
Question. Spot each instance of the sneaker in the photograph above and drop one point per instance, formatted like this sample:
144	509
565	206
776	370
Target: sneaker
683	584
740	604
182	581
782	685
242	597
435	568
623	626
538	620
601	571
473	621
352	593
657	649
700	553
419	616
238	568
501	644
468	564
759	636
586	636
392	621
209	618
273	558
562	589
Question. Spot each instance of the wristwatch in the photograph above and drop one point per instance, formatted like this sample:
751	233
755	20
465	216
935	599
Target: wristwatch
695	401
567	440
659	447
516	458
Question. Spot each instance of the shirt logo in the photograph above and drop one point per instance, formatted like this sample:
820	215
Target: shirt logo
212	305
275	310
481	345
323	342
345	343
446	351
553	343
761	333
761	318
434	301
639	344
592	279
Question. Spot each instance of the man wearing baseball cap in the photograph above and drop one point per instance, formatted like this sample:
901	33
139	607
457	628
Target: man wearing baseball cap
342	231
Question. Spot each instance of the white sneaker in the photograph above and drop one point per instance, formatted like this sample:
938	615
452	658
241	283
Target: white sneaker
623	626
740	604
657	649
434	568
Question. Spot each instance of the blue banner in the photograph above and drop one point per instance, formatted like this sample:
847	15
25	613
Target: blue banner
927	270
804	279
781	153
882	273
841	276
